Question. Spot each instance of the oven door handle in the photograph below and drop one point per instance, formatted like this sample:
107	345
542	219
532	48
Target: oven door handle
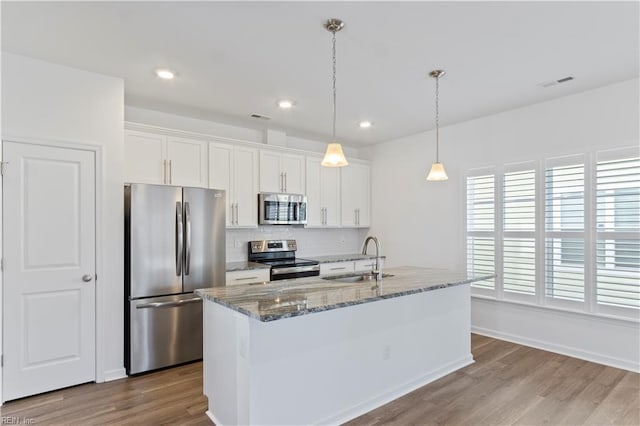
292	269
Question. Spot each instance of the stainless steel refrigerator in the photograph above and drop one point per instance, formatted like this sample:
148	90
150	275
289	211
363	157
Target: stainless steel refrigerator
174	244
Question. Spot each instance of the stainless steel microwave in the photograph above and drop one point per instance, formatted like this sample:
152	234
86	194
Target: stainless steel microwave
282	209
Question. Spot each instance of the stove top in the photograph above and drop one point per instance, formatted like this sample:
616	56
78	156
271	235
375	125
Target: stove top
281	256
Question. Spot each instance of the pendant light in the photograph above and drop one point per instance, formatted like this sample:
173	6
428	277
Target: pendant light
334	157
437	172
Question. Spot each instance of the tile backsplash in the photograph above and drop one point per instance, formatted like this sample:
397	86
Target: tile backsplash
311	241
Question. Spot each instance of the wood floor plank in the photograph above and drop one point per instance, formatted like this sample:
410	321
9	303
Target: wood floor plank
508	384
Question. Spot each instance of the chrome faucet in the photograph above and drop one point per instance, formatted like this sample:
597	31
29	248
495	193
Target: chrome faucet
376	270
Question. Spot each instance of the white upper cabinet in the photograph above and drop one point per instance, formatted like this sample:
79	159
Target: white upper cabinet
144	159
187	162
235	169
281	172
323	194
158	159
355	195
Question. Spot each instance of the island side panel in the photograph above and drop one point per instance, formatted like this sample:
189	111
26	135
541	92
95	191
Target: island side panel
332	366
226	365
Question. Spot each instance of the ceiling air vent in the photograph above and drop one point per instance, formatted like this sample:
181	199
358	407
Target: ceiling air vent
554	82
259	116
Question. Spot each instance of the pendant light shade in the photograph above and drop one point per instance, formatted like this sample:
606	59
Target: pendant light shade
437	172
334	157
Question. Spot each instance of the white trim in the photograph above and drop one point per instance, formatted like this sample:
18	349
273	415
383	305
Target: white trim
213	418
395	393
100	314
565	161
617	154
115	374
630	321
560	349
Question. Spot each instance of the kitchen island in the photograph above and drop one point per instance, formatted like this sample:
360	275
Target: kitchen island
318	351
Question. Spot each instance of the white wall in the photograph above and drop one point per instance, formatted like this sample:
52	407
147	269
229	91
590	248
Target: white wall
48	102
420	223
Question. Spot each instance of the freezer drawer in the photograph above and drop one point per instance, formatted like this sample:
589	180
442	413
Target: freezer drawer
164	331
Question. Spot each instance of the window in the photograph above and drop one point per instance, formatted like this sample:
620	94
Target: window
519	226
481	228
617	227
564	232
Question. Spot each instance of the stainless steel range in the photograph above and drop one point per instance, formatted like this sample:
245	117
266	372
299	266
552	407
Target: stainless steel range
281	256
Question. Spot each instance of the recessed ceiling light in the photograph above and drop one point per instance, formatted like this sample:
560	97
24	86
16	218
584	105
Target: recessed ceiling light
365	124
285	104
165	74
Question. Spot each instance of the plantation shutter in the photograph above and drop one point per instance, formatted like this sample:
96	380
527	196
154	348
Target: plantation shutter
519	226
617	228
481	228
564	232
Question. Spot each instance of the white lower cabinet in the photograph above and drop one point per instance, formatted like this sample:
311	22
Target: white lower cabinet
367	265
336	268
248	277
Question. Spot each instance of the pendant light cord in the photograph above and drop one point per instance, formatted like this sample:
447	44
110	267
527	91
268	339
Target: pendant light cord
334	84
437	121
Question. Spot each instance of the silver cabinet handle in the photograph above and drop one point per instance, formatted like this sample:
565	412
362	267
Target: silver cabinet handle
237	213
170	173
285	182
281	182
187	239
164	171
338	269
87	278
245	278
179	239
169	304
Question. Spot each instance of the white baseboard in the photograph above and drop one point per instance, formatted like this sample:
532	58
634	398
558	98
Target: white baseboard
213	418
380	400
561	349
115	374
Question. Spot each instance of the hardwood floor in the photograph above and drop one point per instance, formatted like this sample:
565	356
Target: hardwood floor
508	384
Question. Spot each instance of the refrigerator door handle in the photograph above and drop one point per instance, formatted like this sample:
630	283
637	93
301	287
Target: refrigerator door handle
187	239
179	238
169	304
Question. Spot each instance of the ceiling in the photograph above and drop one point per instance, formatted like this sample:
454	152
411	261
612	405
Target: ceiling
238	58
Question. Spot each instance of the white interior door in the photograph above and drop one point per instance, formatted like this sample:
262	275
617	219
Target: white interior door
49	268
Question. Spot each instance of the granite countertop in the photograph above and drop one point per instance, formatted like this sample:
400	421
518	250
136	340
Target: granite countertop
244	266
289	298
341	257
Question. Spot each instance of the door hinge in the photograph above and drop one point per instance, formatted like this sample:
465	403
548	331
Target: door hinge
1	263
3	167
1	360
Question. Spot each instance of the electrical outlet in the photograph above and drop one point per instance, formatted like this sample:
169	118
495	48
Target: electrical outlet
236	243
386	352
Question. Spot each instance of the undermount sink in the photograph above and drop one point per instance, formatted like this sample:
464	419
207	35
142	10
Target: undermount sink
353	278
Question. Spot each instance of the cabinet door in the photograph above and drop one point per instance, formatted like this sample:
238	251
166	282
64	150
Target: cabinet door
363	195
220	167
293	168
355	195
144	155
271	177
348	194
187	162
245	186
315	208
248	277
330	185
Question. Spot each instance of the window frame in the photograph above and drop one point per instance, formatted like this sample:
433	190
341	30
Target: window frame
589	234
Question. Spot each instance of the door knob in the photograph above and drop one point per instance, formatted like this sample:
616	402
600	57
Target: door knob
86	278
